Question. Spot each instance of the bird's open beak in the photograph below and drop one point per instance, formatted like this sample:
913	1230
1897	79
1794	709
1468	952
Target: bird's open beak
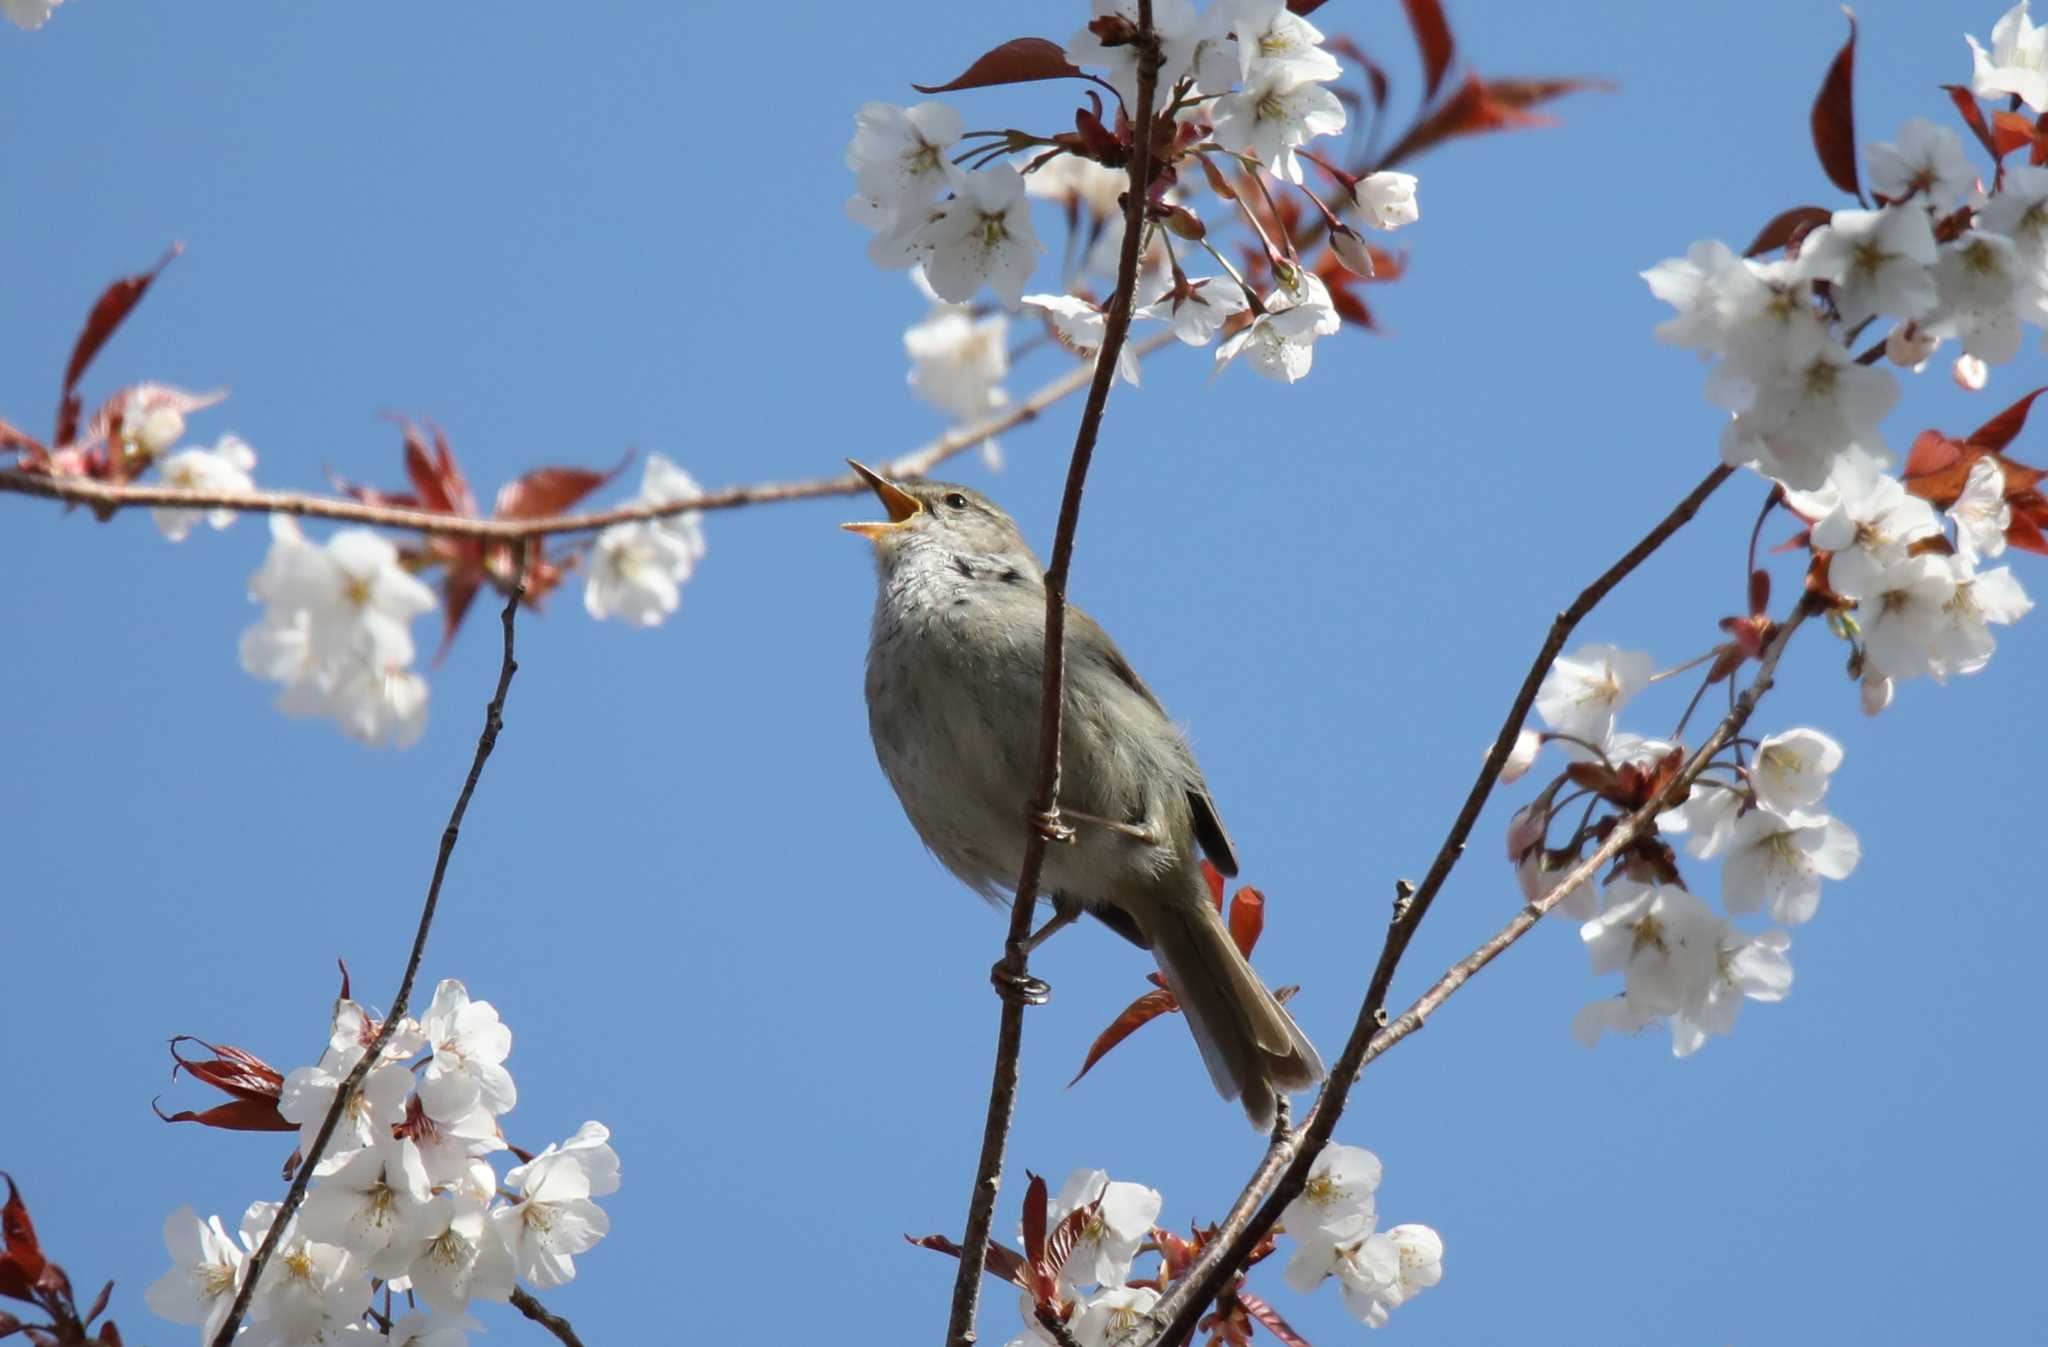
901	505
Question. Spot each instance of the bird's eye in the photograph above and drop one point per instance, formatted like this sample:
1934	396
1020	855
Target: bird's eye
956	501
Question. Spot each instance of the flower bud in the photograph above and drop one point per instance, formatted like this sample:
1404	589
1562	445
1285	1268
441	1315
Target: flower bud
1386	200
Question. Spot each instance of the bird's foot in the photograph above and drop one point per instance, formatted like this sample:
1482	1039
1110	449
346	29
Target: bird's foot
1137	832
1019	989
1048	826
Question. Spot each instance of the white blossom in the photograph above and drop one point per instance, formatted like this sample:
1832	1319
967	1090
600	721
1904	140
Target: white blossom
958	362
470	1045
1791	773
1269	37
1868	522
1198	308
1880	261
2017	62
1178	27
1273	114
206	1267
1927	160
638	568
1776	864
1280	343
1584	691
1903	616
2019	211
1522	756
898	154
309	1291
29	14
1981	513
1982	599
365	1201
308	1093
1746	967
1378	1272
223	468
553	1217
1122	1220
1808	420
1708	813
1081	326
1659	937
459	1254
425	1328
1336	1201
981	235
1982	285
1072	180
1385	200
1115	1317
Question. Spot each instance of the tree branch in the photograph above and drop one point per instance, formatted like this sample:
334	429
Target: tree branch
1002	1095
106	498
1241	1231
494	721
523	1301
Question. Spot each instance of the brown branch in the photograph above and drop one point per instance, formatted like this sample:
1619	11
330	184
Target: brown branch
523	1301
105	498
1183	1303
494	721
1002	1095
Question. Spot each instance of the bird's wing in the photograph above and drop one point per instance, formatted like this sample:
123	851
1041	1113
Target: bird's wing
1208	824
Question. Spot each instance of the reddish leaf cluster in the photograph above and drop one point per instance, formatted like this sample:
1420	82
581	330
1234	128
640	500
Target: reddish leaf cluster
1247	919
1939	466
1628	788
98	448
253	1084
439	486
27	1274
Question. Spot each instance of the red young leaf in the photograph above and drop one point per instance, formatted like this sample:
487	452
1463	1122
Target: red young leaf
237	1115
1018	61
1480	106
1270	1317
1150	1006
1999	431
112	308
434	473
233	1071
546	491
458	591
1932	452
1036	1203
1247	919
1787	228
1059	1245
1834	115
2009	131
1973	116
2026	535
21	1258
1433	36
1003	1261
99	1303
1214	879
1305	7
1759	591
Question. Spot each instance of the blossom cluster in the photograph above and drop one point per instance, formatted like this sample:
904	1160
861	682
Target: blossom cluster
1241	90
406	1201
1333	1223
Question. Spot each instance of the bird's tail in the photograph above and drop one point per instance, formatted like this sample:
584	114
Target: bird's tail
1251	1045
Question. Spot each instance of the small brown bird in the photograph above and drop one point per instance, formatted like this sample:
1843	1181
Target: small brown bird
955	666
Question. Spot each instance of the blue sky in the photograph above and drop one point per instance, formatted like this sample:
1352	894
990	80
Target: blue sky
685	883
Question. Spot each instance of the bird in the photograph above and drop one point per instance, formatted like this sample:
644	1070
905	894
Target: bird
955	667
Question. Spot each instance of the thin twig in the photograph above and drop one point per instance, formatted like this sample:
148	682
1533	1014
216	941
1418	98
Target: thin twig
1002	1095
494	720
107	497
1182	1304
523	1301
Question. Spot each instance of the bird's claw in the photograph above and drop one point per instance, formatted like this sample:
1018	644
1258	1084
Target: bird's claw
1049	827
1020	989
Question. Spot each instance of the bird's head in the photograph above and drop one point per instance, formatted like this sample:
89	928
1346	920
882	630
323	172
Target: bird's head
938	518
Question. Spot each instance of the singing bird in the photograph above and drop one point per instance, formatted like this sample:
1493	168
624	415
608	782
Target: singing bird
955	670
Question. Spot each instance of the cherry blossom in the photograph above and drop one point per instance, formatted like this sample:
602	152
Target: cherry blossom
1175	22
1081	327
1981	513
1280	343
981	235
898	154
1927	160
308	1093
1773	863
1806	420
1791	773
2017	63
1196	308
1275	113
206	1266
1269	37
1584	691
1746	968
1122	1220
29	14
1880	262
223	468
470	1045
1336	1200
460	1254
1981	284
365	1201
1115	1317
1385	200
638	569
1659	937
1868	522
553	1218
